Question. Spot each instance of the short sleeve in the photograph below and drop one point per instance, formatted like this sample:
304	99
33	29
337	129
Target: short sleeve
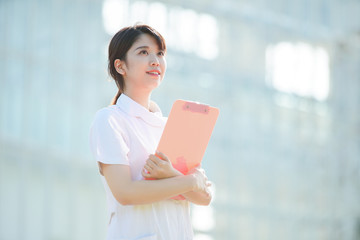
107	140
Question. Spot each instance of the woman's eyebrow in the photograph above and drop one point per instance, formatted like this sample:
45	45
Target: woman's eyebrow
141	47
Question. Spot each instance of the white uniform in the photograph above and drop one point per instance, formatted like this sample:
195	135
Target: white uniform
126	133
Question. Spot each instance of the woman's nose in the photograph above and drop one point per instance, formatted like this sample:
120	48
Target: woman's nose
154	61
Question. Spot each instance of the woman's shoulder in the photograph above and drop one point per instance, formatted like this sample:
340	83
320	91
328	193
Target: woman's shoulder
108	114
109	110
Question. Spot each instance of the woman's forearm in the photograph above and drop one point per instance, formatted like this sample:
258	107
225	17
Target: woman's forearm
149	191
129	192
199	198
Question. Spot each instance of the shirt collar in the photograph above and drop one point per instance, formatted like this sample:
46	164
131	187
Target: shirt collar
153	117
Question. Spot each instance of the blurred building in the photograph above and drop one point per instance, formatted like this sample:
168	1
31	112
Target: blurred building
285	153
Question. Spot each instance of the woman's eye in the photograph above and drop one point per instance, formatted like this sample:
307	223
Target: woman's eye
161	53
143	52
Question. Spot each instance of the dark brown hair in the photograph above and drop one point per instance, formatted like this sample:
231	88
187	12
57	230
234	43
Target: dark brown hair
120	45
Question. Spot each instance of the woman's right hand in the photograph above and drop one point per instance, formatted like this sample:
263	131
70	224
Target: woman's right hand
201	183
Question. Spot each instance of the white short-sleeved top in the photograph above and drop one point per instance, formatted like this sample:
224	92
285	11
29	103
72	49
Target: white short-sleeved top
126	133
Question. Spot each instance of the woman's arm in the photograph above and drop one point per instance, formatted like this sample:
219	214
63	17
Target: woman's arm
199	198
128	192
160	167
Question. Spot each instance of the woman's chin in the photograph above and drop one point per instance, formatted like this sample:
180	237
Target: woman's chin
154	84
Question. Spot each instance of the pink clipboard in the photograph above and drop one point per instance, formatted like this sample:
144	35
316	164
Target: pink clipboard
187	133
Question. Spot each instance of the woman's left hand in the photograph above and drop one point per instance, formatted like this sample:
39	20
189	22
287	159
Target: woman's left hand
159	166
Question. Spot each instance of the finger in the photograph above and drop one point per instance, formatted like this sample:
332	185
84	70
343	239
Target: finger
152	156
151	164
148	168
206	191
148	163
158	161
162	156
154	159
209	194
145	173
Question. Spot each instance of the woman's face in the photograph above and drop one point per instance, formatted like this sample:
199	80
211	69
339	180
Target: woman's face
145	64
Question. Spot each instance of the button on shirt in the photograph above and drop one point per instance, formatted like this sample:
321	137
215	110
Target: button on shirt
127	133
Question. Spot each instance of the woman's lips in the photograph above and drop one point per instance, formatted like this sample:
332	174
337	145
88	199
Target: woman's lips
154	72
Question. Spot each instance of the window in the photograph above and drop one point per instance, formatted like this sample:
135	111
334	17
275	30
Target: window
176	24
298	68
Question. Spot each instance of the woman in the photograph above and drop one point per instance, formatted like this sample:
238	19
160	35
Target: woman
123	139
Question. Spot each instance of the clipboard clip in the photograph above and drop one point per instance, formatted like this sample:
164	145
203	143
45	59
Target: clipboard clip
196	107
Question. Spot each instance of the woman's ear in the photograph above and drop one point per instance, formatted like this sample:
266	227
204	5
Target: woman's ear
118	64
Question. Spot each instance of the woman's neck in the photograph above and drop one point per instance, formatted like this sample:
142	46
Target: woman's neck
142	98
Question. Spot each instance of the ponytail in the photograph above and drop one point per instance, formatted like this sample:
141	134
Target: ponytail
114	100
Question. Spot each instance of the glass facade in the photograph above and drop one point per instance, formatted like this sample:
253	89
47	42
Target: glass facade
285	162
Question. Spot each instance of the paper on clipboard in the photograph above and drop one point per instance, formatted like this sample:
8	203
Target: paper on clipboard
187	133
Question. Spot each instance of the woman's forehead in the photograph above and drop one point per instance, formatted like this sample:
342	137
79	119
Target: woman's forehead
145	40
